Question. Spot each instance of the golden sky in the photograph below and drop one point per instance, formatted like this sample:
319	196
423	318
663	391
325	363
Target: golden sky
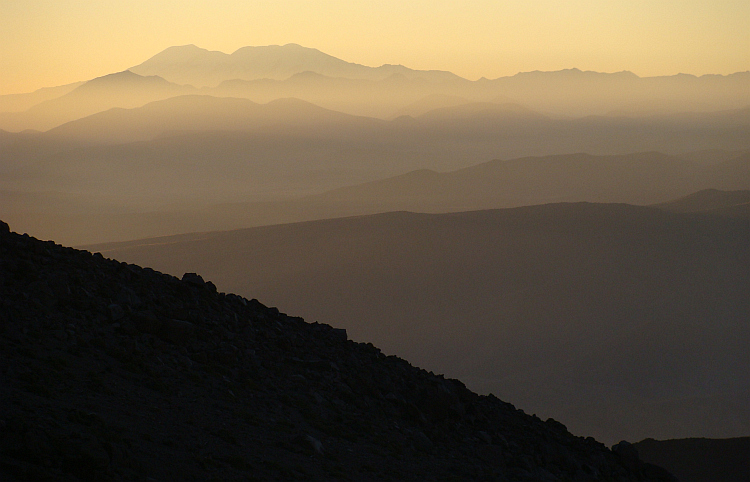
53	42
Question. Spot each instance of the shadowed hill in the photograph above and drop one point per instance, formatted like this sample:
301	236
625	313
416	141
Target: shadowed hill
700	459
114	372
624	321
634	178
712	201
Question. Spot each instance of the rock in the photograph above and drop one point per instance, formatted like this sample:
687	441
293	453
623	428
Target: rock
146	322
422	442
316	444
339	334
86	457
116	312
177	331
484	437
193	279
309	443
4	228
627	453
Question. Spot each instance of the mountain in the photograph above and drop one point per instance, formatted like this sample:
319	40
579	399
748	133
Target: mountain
568	92
444	139
430	103
713	201
115	372
189	64
122	89
203	113
700	459
165	205
624	322
640	178
22	102
373	98
264	74
573	92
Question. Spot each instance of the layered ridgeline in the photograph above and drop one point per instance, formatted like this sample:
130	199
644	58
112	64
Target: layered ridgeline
127	197
115	372
120	150
621	321
267	73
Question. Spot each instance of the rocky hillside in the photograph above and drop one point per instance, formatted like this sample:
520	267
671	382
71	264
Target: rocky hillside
109	371
621	321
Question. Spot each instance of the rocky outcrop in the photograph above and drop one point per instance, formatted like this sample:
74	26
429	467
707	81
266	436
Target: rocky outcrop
109	371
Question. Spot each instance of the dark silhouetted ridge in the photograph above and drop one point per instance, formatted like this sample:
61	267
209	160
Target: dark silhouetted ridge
700	459
624	322
115	372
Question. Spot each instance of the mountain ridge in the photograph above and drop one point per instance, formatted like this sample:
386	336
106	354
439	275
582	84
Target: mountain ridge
118	90
635	179
262	74
618	295
112	371
276	62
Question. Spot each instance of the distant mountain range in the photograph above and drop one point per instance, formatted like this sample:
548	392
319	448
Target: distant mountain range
625	322
576	242
712	201
189	64
121	90
263	74
200	113
229	149
170	167
22	102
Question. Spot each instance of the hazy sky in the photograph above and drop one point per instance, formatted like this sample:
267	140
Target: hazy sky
53	42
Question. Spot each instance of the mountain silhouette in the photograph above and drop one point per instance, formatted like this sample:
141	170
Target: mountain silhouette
263	74
206	113
430	103
712	201
122	90
189	64
700	459
625	322
22	102
112	371
643	178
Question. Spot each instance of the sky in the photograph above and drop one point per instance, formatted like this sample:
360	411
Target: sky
45	43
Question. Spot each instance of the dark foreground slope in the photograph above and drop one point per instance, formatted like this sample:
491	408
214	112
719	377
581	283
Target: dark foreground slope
700	459
114	372
624	322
